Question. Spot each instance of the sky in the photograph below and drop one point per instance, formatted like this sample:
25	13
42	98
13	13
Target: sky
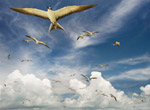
32	86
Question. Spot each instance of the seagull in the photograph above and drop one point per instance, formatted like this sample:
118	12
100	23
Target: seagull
5	85
53	71
87	78
27	40
113	97
8	57
57	81
100	65
116	43
72	75
37	42
82	36
91	33
53	16
71	89
26	60
105	95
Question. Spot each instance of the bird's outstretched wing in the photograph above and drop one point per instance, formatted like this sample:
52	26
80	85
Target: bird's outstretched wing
93	77
71	9
105	65
85	76
78	37
87	32
95	32
32	11
31	37
43	44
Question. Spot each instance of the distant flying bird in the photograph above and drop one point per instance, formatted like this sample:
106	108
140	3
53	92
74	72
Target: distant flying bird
116	43
56	81
72	89
62	100
5	85
8	57
37	42
91	33
87	78
105	95
53	16
100	65
27	40
113	97
72	75
82	36
27	60
53	71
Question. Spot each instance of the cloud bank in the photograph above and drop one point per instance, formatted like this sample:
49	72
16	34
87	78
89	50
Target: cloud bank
29	92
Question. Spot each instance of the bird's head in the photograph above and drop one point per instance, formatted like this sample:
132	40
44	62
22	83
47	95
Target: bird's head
48	7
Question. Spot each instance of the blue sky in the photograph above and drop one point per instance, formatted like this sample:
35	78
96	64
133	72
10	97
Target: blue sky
126	21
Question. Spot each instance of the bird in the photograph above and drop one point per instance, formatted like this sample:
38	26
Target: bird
8	57
26	60
105	95
53	71
27	40
56	81
91	33
113	97
37	42
116	43
82	36
71	89
53	16
5	85
87	78
72	75
100	65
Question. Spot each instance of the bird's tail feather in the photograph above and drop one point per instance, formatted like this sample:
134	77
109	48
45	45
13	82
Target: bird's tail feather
55	26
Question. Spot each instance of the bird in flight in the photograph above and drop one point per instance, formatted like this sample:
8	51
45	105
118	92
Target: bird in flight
105	95
116	43
27	60
72	75
27	40
113	97
37	42
8	57
91	33
53	71
87	78
71	89
82	36
5	85
100	65
57	81
53	16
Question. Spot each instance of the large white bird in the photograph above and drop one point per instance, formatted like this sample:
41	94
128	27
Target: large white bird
90	33
87	78
37	42
53	16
